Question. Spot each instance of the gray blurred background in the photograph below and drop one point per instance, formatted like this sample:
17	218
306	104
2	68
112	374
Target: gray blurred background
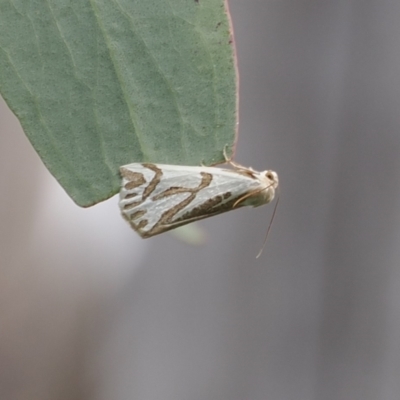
90	311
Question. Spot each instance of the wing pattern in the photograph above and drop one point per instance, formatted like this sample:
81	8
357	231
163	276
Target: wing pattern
155	198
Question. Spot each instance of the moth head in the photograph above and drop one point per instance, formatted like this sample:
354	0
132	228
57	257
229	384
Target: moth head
269	182
272	177
265	192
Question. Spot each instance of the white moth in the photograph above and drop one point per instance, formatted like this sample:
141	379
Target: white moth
155	198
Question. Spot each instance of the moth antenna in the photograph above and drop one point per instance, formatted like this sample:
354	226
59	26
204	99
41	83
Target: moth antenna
270	223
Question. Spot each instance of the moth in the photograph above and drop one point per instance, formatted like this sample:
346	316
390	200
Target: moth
155	198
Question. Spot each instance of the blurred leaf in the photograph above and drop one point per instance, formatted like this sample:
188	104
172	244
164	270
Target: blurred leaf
98	84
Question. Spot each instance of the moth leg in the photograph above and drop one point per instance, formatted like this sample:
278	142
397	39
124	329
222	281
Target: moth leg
229	161
226	161
235	164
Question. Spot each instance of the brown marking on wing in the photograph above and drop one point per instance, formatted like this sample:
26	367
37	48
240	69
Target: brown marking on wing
132	205
203	208
246	172
166	217
130	195
135	179
136	214
142	224
210	207
171	191
154	182
138	227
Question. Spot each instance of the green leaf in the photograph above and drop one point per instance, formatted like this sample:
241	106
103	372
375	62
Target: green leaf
97	84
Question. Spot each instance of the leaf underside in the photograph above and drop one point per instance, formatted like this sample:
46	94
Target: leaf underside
97	84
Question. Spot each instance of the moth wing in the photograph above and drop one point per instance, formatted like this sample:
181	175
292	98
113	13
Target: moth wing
155	198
